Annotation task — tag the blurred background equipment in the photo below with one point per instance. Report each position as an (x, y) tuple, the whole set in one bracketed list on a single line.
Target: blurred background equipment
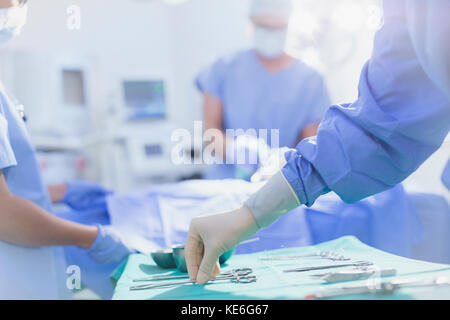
[(103, 99)]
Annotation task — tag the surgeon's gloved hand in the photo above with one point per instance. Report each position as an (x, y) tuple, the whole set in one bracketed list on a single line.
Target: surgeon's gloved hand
[(82, 195), (108, 247), (210, 236)]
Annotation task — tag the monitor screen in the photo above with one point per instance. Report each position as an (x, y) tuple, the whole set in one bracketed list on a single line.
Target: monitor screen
[(73, 87), (145, 99)]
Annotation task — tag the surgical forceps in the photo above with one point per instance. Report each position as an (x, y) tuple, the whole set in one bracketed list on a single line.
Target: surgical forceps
[(320, 254), (241, 271), (355, 274), (237, 276), (350, 264), (384, 288)]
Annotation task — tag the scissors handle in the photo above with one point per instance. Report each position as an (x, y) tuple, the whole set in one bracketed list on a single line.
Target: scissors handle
[(245, 279)]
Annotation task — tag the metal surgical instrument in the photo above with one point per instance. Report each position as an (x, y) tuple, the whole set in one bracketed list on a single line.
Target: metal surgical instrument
[(384, 288), (244, 271), (350, 264), (237, 277), (320, 254), (355, 274)]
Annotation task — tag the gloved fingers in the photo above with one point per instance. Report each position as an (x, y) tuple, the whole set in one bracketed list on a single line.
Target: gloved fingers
[(208, 266), (216, 270), (194, 252)]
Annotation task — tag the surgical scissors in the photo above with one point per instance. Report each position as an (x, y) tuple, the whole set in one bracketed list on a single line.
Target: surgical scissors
[(239, 271), (238, 276), (351, 264)]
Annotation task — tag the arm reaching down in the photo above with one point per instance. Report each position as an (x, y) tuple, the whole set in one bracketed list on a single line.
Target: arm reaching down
[(24, 223)]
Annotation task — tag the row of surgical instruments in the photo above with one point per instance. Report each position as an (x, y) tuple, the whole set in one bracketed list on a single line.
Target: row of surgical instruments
[(380, 288), (319, 254), (242, 275), (360, 270)]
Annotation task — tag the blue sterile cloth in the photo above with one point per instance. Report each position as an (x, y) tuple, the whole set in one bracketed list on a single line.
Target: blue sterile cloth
[(273, 283), (159, 217)]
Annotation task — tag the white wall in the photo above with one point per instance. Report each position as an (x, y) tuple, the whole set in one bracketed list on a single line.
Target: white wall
[(127, 37), (203, 30), (150, 38)]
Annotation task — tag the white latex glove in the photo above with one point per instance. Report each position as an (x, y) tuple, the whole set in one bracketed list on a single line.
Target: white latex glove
[(210, 236)]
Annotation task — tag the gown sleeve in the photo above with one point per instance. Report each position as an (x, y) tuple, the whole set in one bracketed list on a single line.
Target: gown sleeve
[(400, 118)]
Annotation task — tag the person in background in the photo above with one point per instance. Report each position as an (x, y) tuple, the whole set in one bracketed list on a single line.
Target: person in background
[(261, 88), (32, 265)]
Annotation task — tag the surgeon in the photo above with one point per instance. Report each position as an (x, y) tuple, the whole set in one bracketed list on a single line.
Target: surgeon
[(260, 88), (30, 267), (402, 116)]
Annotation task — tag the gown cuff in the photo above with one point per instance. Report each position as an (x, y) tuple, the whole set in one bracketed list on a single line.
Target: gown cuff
[(275, 199)]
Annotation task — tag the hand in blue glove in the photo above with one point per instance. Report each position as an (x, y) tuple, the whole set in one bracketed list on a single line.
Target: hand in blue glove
[(82, 195), (108, 247)]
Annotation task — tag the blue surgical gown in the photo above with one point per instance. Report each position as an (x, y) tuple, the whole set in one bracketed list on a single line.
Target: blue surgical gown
[(254, 98), (446, 175), (402, 114), (26, 273)]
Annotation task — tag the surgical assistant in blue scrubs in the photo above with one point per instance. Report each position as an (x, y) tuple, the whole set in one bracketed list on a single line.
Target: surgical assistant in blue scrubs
[(263, 88), (401, 117), (32, 263)]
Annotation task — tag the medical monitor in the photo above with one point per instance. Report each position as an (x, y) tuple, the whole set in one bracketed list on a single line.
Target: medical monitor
[(144, 99), (73, 87)]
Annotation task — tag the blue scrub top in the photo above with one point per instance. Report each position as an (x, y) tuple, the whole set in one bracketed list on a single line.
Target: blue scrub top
[(254, 98), (17, 157), (33, 273), (401, 117)]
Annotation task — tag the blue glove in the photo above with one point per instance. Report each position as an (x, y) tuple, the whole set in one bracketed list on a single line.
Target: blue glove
[(108, 246), (82, 195)]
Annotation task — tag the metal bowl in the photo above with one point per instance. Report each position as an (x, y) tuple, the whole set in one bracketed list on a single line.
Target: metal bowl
[(179, 257), (164, 258), (225, 256)]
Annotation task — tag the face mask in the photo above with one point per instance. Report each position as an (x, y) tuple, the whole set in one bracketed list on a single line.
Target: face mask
[(11, 22), (269, 43)]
